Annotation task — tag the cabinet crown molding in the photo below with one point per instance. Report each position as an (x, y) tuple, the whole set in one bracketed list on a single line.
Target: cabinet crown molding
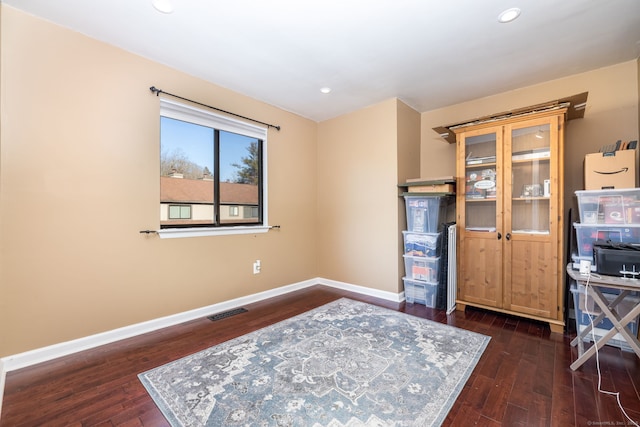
[(575, 106)]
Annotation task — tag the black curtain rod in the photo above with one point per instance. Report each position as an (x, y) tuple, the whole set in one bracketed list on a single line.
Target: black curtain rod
[(159, 91), (147, 232)]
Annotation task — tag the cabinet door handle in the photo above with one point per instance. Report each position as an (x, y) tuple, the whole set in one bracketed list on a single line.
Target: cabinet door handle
[(508, 236), (499, 236)]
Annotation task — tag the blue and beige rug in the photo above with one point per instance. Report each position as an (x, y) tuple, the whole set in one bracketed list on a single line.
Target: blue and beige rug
[(346, 363)]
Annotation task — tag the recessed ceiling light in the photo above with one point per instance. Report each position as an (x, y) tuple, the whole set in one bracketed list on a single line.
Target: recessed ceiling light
[(325, 89), (163, 6), (509, 15)]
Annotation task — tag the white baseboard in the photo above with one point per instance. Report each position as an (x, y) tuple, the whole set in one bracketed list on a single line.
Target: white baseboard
[(390, 296), (32, 357), (54, 351)]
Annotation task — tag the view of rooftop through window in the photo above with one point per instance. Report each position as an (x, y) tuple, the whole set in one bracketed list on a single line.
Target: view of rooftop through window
[(192, 157), (189, 147)]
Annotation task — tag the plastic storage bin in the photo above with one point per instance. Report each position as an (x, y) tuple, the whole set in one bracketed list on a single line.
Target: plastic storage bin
[(586, 234), (421, 268), (421, 244), (616, 207), (426, 214), (582, 305), (420, 292)]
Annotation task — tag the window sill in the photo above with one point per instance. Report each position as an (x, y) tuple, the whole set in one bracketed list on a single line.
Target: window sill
[(202, 232)]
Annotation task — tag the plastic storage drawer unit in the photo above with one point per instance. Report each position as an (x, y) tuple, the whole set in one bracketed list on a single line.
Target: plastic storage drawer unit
[(425, 214), (420, 292), (609, 206), (421, 244), (586, 234), (421, 268)]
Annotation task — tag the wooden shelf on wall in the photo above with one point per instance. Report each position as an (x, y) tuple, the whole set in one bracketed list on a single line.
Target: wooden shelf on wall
[(440, 186)]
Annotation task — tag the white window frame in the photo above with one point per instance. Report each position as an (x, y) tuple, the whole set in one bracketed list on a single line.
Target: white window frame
[(187, 113)]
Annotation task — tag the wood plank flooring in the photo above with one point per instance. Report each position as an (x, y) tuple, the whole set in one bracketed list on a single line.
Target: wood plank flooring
[(522, 379)]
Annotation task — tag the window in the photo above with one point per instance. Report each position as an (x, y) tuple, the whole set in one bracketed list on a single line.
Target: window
[(179, 212), (250, 211), (212, 173)]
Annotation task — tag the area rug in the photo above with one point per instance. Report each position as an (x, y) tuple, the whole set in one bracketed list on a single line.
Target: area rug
[(346, 363)]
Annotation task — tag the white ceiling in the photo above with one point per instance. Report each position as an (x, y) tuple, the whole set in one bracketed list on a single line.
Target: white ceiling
[(428, 53)]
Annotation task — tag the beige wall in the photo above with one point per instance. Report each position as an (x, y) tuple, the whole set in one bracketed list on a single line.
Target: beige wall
[(79, 162), (408, 164), (361, 157), (611, 114)]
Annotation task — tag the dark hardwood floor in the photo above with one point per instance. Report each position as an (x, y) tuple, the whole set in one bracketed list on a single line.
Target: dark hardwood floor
[(522, 379)]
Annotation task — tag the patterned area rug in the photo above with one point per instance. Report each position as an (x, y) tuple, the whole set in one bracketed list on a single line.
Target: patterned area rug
[(346, 363)]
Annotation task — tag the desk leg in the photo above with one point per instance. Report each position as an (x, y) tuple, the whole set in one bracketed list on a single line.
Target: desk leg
[(619, 326), (579, 339), (581, 334), (598, 319)]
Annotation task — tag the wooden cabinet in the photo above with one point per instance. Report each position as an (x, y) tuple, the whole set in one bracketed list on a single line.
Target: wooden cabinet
[(509, 216)]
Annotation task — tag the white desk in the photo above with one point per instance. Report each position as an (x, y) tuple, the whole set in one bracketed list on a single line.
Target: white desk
[(608, 310)]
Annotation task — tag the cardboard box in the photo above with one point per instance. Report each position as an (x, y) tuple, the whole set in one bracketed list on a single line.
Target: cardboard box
[(610, 170), (443, 184), (433, 188)]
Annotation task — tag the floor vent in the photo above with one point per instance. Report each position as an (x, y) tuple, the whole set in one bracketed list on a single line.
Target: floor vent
[(225, 314)]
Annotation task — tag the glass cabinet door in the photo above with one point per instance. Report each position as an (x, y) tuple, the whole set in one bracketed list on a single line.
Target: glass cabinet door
[(479, 215), (530, 179), (481, 185)]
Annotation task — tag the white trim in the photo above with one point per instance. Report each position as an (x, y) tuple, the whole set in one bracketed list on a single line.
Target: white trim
[(39, 355), (188, 113), (390, 296), (54, 351), (172, 233)]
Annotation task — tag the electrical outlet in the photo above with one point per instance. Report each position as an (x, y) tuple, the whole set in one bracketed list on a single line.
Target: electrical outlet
[(257, 267)]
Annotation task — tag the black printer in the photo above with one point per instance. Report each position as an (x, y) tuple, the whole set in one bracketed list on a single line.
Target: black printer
[(617, 259)]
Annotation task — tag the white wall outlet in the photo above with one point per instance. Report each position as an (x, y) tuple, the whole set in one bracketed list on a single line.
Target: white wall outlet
[(585, 266), (257, 267)]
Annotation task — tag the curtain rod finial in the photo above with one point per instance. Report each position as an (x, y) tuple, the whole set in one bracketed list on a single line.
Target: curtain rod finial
[(155, 90)]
